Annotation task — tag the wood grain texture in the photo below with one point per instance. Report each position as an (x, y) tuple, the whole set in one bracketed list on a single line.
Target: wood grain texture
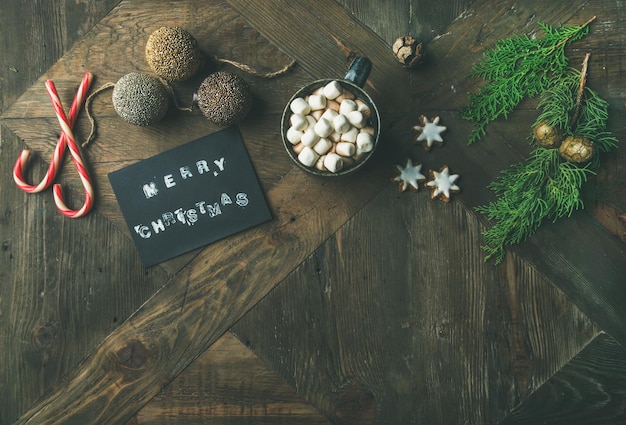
[(588, 390), (229, 385), (498, 333), (59, 297), (49, 321), (384, 324), (421, 19)]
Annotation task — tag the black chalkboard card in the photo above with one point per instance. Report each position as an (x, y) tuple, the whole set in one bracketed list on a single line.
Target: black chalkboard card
[(190, 196)]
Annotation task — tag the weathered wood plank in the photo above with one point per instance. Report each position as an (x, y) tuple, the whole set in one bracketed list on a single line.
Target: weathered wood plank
[(588, 390), (320, 48), (228, 384), (398, 313), (421, 19), (58, 296), (201, 302)]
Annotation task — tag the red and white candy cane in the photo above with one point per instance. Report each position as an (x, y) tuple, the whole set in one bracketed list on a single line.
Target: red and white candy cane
[(53, 168), (76, 156)]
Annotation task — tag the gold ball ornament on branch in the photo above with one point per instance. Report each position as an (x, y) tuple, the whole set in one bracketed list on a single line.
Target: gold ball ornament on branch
[(577, 149), (547, 136), (408, 51)]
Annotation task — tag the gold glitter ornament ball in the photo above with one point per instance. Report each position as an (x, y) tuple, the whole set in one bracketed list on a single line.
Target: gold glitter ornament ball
[(173, 54), (224, 98), (577, 149), (547, 136), (140, 99)]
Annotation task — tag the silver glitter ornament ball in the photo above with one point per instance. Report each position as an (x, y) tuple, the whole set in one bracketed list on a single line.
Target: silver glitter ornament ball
[(140, 99), (224, 98), (173, 54)]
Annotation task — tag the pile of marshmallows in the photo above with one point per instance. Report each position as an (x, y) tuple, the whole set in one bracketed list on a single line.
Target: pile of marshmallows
[(330, 129)]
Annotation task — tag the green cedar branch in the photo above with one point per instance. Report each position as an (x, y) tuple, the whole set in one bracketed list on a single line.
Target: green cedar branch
[(545, 186), (516, 68)]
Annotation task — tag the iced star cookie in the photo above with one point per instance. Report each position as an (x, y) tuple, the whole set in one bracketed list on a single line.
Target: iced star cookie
[(441, 184), (429, 132), (409, 176)]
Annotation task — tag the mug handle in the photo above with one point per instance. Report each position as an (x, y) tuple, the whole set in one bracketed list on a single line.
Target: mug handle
[(359, 71)]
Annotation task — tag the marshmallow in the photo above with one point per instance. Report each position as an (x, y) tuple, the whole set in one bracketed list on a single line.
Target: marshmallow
[(329, 115), (317, 102), (298, 148), (341, 123), (323, 128), (298, 122), (332, 104), (300, 106), (332, 90), (350, 135), (368, 129), (346, 106), (363, 108), (333, 162), (330, 129), (323, 146), (310, 120), (334, 137), (319, 164), (316, 114), (310, 137), (346, 149), (293, 135), (346, 94), (308, 157), (364, 142), (357, 119)]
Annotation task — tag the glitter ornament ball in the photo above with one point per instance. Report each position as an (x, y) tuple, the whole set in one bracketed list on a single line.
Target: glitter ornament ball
[(140, 99), (224, 98), (577, 149), (547, 136), (173, 54)]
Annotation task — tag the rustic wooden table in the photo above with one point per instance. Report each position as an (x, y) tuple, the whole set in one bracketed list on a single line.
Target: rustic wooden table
[(355, 304)]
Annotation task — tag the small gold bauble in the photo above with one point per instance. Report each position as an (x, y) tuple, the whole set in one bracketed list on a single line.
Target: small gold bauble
[(547, 136), (577, 149)]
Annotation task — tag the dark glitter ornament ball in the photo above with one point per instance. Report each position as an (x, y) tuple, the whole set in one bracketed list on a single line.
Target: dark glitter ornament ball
[(224, 98), (140, 99), (173, 54)]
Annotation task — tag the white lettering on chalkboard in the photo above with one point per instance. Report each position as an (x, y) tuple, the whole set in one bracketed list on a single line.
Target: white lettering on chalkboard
[(169, 181), (189, 216), (242, 199), (150, 190), (185, 172)]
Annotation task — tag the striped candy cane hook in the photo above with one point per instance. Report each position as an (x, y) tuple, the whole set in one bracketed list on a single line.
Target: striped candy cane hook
[(53, 168), (76, 156)]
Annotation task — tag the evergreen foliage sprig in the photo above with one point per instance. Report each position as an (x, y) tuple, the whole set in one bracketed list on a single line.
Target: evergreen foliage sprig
[(558, 105), (543, 187), (546, 186), (516, 68)]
